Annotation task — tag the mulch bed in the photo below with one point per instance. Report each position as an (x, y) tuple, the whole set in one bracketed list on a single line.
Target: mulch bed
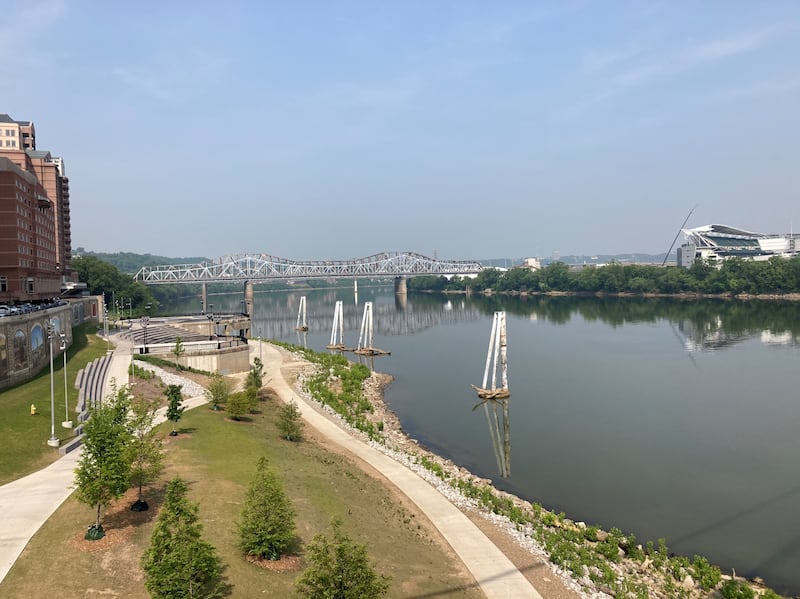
[(287, 563), (118, 522)]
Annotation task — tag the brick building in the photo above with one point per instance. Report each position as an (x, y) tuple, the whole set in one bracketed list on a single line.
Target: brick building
[(35, 237)]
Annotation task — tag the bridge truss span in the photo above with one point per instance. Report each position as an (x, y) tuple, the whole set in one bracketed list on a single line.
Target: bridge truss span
[(263, 267)]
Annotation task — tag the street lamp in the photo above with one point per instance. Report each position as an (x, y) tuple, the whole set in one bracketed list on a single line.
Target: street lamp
[(52, 441), (145, 320), (210, 317), (105, 325), (63, 347)]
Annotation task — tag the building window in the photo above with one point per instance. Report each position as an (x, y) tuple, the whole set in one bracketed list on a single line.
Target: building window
[(3, 283), (29, 285)]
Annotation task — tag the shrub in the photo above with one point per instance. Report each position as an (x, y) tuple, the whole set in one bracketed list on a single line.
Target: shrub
[(266, 527), (339, 569), (289, 422), (178, 562)]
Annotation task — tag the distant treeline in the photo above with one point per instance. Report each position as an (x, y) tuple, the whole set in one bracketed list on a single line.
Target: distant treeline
[(734, 276)]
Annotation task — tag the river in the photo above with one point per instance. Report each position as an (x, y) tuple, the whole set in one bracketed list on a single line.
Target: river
[(665, 418)]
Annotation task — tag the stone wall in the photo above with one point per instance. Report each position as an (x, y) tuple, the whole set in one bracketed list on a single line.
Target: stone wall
[(226, 361)]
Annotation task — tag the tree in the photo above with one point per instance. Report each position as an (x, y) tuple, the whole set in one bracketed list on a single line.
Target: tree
[(340, 569), (146, 449), (104, 468), (101, 276), (238, 404), (174, 407), (179, 563), (266, 526), (256, 374), (178, 351), (290, 423), (217, 391), (253, 384)]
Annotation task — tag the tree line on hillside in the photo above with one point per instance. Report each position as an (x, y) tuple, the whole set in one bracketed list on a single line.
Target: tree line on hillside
[(734, 276)]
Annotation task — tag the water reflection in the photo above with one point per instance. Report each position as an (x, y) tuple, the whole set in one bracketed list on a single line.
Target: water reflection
[(705, 325), (302, 338), (497, 417)]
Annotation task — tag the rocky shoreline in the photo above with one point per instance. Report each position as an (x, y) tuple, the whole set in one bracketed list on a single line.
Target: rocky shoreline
[(407, 451), (441, 473)]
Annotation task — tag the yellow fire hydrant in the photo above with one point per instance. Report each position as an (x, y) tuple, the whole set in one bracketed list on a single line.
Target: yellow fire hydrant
[(33, 410)]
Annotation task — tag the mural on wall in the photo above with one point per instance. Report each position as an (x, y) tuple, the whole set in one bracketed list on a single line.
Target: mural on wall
[(78, 312), (37, 343), (3, 358), (56, 325), (20, 350)]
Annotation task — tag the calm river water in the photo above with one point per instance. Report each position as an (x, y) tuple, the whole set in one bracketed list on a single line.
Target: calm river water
[(664, 418)]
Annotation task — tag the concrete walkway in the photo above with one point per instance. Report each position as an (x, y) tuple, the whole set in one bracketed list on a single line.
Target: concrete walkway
[(497, 576), (28, 502)]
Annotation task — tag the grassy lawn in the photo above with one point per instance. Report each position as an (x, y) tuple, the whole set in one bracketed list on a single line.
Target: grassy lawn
[(24, 436), (217, 458)]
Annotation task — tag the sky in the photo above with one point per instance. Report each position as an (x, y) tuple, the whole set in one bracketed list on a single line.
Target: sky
[(329, 130)]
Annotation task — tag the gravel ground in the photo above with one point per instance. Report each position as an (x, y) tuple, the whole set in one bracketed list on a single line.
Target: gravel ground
[(190, 388)]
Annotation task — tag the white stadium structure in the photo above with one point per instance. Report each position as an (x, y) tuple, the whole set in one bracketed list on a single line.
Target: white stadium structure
[(719, 242)]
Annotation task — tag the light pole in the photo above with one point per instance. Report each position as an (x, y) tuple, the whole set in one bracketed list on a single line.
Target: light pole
[(145, 320), (210, 317), (63, 347), (52, 441), (105, 325)]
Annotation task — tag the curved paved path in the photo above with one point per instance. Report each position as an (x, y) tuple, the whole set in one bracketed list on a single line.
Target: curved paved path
[(28, 502), (494, 572)]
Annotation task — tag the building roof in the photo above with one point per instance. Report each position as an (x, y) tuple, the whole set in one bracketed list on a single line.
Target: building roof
[(4, 118), (44, 154), (7, 164), (723, 230)]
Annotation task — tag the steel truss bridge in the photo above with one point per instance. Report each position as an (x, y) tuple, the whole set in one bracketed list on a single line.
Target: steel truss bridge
[(263, 267)]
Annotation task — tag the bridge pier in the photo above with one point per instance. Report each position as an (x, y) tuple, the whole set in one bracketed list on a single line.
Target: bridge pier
[(204, 298), (248, 297), (400, 285)]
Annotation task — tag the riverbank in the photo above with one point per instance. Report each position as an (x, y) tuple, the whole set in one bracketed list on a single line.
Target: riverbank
[(791, 297), (582, 559)]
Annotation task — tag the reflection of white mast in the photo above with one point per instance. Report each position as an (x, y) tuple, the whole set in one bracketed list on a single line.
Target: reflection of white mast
[(338, 326), (365, 336), (302, 338), (501, 454), (301, 315), (496, 356)]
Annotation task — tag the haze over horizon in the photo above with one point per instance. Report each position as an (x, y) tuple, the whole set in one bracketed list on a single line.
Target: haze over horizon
[(463, 129)]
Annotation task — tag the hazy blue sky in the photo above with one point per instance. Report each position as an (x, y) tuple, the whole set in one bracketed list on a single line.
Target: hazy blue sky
[(331, 130)]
